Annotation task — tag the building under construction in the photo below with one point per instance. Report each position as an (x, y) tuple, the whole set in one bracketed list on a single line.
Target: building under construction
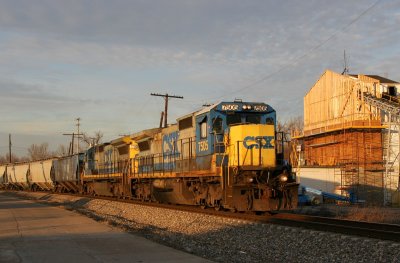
[(350, 143)]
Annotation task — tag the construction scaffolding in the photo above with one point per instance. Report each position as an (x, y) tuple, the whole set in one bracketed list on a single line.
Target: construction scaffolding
[(362, 167), (352, 124), (356, 155), (390, 108)]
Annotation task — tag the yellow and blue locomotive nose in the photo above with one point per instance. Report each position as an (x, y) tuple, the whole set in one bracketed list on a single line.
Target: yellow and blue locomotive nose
[(252, 145)]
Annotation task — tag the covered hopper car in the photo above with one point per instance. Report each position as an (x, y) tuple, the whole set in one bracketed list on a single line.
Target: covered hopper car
[(34, 175)]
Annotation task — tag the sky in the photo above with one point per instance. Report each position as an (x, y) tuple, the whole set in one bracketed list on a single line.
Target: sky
[(99, 60)]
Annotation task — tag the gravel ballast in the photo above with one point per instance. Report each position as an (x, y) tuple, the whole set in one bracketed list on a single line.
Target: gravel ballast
[(227, 240)]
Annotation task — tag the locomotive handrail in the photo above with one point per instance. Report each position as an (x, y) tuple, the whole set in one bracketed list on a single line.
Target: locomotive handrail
[(236, 153), (166, 163)]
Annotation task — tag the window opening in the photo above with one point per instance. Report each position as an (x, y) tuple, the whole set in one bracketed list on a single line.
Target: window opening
[(203, 129), (217, 125), (185, 123), (233, 119), (269, 121), (255, 119)]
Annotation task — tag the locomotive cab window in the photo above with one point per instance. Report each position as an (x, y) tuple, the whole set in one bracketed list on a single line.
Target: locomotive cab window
[(203, 128), (217, 125), (269, 121), (255, 119), (233, 119)]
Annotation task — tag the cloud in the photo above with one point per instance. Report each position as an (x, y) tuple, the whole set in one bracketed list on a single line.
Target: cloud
[(101, 60)]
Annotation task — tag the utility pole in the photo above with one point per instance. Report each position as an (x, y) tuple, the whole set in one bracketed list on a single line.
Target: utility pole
[(9, 146), (77, 135), (166, 97), (78, 124), (71, 146), (161, 119)]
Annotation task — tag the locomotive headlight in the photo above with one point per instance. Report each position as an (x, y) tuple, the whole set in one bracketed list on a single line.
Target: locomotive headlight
[(249, 179), (246, 107), (283, 178)]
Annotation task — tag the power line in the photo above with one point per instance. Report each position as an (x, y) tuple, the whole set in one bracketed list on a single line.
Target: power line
[(166, 97), (294, 61), (74, 135)]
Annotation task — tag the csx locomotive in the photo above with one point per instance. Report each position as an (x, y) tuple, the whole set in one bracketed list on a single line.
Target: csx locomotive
[(224, 156)]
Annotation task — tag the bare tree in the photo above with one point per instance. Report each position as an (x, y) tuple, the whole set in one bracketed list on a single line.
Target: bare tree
[(92, 140), (61, 151), (3, 159), (293, 126), (14, 158), (24, 159), (38, 152)]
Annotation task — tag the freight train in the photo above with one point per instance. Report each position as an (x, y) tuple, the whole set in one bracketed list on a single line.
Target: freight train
[(228, 155)]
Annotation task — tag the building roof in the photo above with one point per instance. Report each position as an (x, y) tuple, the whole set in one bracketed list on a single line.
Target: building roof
[(381, 79)]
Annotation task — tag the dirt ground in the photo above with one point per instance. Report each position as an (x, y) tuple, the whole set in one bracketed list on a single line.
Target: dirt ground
[(385, 215)]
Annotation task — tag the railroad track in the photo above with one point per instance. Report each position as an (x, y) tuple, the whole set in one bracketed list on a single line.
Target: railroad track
[(356, 228), (347, 227)]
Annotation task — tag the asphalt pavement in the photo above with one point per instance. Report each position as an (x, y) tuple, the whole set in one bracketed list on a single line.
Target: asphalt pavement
[(33, 232)]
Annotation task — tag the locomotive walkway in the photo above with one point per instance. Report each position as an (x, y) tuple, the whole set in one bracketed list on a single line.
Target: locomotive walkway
[(32, 232)]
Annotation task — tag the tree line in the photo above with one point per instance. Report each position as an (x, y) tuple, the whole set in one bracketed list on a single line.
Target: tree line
[(42, 151), (293, 126)]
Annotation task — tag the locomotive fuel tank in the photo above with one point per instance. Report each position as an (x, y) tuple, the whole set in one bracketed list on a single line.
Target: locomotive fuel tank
[(172, 191)]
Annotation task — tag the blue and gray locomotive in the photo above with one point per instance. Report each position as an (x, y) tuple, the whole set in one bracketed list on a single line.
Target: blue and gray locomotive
[(223, 156)]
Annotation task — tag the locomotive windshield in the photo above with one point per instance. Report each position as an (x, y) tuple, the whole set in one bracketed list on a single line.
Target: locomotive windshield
[(254, 119), (233, 119), (237, 118)]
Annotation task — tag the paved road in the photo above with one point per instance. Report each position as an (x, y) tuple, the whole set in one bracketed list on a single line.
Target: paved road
[(32, 232)]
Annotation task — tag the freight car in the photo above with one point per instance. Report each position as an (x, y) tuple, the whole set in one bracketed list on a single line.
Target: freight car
[(34, 175), (227, 155), (2, 176), (67, 172)]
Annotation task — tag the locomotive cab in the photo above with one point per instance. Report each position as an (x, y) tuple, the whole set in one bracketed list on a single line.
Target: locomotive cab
[(253, 177)]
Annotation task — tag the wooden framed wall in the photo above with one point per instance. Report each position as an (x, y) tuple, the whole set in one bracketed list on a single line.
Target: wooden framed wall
[(336, 102), (336, 148)]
